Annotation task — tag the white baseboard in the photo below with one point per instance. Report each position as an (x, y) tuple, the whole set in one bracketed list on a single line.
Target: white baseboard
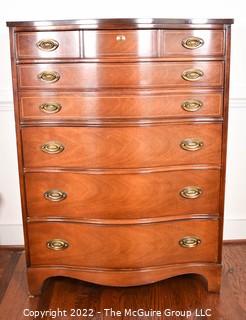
[(12, 234), (234, 229)]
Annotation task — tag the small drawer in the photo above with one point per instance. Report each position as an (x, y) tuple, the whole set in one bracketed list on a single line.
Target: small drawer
[(123, 195), (139, 105), (122, 147), (121, 75), (48, 45), (123, 246), (117, 43), (192, 43)]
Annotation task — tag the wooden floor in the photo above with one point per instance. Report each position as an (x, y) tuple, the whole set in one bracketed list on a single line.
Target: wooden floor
[(185, 293)]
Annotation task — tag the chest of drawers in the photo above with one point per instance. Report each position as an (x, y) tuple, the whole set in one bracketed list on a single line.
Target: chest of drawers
[(121, 131)]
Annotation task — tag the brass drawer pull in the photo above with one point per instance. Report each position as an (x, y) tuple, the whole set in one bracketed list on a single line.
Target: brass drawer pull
[(189, 242), (120, 37), (191, 144), (55, 195), (50, 107), (52, 147), (192, 105), (49, 76), (57, 244), (47, 44), (192, 43), (192, 74), (191, 192)]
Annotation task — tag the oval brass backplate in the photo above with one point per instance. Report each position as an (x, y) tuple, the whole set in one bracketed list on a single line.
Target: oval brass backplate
[(50, 107), (49, 76), (192, 43), (191, 144), (191, 192), (47, 44), (57, 244), (189, 242), (52, 147), (55, 195), (192, 74), (192, 105)]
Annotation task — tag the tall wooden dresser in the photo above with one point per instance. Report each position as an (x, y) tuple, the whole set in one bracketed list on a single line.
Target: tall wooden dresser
[(121, 131)]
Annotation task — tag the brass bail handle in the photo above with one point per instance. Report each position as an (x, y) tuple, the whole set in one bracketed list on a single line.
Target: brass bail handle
[(191, 192), (189, 242), (192, 43), (192, 74), (192, 105), (52, 147), (57, 244), (49, 76), (55, 195), (191, 144), (50, 107), (47, 44)]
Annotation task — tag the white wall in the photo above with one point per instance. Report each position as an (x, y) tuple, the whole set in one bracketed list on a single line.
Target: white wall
[(235, 209)]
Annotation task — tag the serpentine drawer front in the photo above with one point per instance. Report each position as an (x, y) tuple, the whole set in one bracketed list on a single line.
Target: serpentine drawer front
[(121, 130)]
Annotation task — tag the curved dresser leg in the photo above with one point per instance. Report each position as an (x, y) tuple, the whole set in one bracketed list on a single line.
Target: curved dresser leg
[(213, 278)]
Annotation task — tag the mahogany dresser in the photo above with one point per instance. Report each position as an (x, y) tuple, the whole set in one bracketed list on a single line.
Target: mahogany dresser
[(121, 131)]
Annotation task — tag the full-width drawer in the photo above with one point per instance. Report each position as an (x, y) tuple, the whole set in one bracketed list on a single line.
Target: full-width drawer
[(122, 196), (125, 43), (48, 44), (98, 105), (121, 75), (123, 246), (192, 43), (122, 147)]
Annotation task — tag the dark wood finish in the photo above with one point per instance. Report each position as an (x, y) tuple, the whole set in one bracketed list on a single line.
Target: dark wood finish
[(116, 75), (121, 247), (121, 127), (185, 292), (129, 23), (122, 196), (68, 41), (108, 105), (122, 147)]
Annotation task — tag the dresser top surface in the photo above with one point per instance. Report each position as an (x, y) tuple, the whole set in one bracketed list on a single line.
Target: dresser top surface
[(120, 23)]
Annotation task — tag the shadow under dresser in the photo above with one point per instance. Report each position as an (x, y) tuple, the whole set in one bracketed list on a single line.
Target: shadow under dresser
[(121, 130)]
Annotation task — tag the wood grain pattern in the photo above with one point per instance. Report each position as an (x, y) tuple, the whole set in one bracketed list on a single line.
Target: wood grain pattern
[(69, 45), (121, 130), (122, 147), (172, 42), (122, 196), (127, 75), (141, 246), (108, 105), (140, 43), (186, 292)]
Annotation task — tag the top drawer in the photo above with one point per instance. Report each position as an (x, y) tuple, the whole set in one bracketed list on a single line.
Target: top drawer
[(192, 43), (102, 44), (130, 43), (48, 45)]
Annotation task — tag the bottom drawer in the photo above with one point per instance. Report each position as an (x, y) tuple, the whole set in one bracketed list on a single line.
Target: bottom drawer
[(123, 246)]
